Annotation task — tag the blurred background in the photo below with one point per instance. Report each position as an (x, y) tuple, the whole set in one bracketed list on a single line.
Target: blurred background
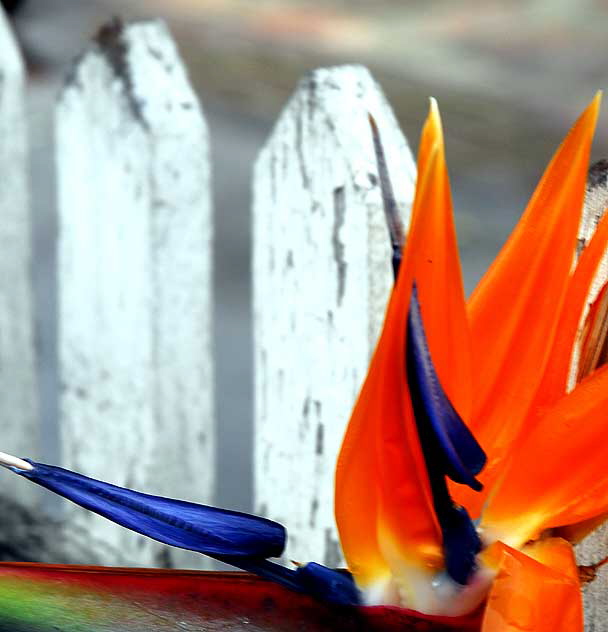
[(510, 77)]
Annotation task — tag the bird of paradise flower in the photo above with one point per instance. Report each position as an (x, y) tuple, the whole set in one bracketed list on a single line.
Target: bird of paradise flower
[(466, 448)]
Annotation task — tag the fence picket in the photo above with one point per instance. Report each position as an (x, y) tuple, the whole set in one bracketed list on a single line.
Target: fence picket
[(136, 406), (19, 420), (321, 278)]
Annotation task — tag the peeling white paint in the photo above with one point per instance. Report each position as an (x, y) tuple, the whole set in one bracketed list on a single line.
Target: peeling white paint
[(136, 405)]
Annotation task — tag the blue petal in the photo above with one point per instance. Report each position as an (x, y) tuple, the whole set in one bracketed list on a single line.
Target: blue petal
[(462, 456), (215, 532), (331, 585), (461, 544), (232, 537), (325, 584), (449, 449)]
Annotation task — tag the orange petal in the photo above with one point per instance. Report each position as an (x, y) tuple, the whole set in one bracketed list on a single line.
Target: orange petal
[(356, 489), (529, 595), (558, 473), (434, 251), (384, 506), (555, 379), (430, 259), (556, 553), (513, 312), (576, 532)]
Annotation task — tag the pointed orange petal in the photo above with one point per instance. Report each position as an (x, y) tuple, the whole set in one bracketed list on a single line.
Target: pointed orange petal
[(514, 310), (390, 489), (356, 494), (558, 473), (437, 271), (529, 595), (555, 379), (430, 259), (383, 501)]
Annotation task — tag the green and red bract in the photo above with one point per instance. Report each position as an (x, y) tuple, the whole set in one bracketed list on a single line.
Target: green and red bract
[(46, 598)]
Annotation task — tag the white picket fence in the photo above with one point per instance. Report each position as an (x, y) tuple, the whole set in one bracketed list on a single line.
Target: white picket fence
[(134, 290), (134, 293)]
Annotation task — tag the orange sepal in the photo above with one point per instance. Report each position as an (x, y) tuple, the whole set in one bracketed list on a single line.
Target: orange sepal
[(356, 493), (530, 595), (430, 260), (386, 495), (433, 250), (513, 313), (382, 488), (558, 473), (576, 532)]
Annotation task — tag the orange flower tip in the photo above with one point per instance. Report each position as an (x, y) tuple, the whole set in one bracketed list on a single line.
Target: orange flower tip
[(434, 117), (593, 108)]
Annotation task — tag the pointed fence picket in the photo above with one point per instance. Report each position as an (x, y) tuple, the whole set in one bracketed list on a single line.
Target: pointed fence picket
[(134, 277), (136, 406), (19, 427), (321, 277)]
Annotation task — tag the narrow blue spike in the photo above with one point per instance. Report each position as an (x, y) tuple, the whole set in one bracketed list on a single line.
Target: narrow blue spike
[(463, 456), (461, 544), (326, 584), (179, 523), (449, 449)]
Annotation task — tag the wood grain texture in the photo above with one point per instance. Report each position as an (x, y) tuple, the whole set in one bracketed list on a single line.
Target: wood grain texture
[(321, 277), (19, 422), (136, 407)]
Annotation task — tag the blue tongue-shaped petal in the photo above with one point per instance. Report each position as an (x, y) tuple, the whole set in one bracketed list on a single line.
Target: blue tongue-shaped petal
[(176, 522), (236, 538), (462, 456), (449, 449)]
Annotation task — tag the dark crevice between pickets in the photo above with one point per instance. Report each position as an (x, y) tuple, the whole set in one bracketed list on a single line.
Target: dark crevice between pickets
[(299, 140), (598, 174), (596, 200), (337, 243), (333, 557)]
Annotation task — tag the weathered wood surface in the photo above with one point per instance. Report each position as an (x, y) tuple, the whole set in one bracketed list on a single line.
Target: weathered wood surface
[(19, 421), (136, 406), (594, 548), (321, 276)]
